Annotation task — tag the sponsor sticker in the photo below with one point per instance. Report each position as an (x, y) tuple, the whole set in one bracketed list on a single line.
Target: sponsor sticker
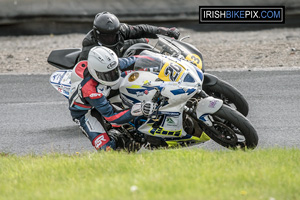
[(172, 121), (100, 141), (95, 95), (212, 104), (66, 80), (111, 65), (56, 77), (162, 131), (139, 93)]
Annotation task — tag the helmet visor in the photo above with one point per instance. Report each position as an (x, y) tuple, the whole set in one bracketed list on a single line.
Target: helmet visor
[(109, 76), (108, 39)]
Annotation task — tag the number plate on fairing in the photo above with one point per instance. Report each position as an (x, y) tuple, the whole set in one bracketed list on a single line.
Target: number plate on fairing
[(195, 59), (171, 71)]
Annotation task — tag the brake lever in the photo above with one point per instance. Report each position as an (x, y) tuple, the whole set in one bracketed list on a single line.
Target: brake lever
[(183, 38)]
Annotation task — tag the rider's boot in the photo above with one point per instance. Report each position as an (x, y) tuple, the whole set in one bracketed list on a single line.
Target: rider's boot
[(123, 142)]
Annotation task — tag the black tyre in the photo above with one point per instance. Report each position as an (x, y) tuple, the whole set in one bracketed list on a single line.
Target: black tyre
[(229, 94), (231, 129)]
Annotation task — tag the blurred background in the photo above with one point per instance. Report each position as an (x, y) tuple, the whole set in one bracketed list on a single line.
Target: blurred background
[(36, 17)]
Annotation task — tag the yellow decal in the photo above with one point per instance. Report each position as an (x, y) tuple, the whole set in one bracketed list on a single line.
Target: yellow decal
[(204, 137), (135, 87), (146, 82), (175, 143), (161, 131), (171, 71), (172, 144), (195, 59)]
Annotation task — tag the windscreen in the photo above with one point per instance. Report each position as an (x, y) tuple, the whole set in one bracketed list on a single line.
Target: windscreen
[(148, 61), (167, 48)]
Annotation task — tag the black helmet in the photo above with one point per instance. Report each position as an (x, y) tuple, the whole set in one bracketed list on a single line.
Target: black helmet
[(106, 28)]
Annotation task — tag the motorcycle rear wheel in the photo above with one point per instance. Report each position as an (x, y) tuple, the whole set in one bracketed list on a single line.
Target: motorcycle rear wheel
[(231, 129)]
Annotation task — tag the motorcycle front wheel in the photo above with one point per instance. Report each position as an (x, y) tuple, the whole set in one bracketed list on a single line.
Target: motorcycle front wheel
[(229, 94), (231, 129)]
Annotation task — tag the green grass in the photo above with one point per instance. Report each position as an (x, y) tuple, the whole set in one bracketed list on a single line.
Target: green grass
[(268, 174)]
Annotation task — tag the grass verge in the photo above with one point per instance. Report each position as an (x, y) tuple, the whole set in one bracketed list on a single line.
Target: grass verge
[(267, 174)]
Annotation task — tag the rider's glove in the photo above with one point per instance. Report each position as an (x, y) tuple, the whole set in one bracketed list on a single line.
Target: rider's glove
[(171, 32), (144, 108)]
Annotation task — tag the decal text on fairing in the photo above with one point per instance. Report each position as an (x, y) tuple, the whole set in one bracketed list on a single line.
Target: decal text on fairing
[(161, 131)]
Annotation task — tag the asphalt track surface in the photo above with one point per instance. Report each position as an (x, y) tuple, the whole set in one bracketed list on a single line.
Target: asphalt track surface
[(35, 118)]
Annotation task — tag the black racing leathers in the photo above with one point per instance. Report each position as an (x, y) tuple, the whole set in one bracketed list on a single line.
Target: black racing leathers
[(127, 36)]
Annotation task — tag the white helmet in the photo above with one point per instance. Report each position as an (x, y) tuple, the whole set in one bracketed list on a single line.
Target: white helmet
[(103, 65)]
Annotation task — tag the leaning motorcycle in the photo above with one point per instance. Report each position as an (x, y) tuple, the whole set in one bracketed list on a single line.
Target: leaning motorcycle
[(212, 85), (184, 115)]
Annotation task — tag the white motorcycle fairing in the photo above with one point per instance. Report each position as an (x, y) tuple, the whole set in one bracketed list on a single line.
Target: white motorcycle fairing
[(142, 86), (61, 81), (206, 106), (66, 81)]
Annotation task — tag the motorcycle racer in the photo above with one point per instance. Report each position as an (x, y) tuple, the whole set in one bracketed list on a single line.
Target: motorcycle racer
[(92, 82), (109, 32)]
